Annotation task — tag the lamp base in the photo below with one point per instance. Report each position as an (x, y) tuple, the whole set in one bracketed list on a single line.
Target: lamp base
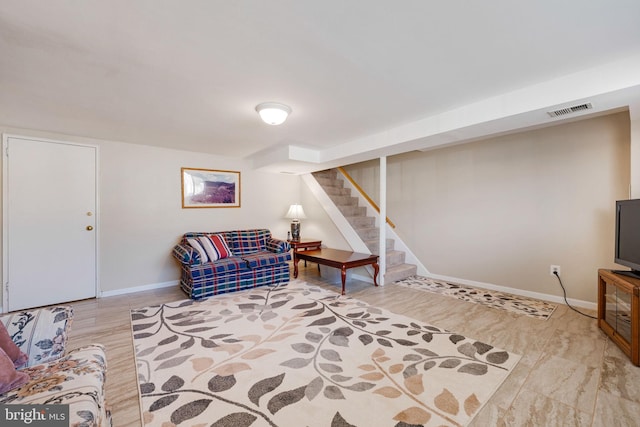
[(295, 231)]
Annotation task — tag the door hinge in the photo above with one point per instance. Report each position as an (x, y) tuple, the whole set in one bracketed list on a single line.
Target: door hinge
[(6, 151)]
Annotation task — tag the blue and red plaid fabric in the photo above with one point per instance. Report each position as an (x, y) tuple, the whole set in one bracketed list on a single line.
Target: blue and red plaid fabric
[(264, 259), (221, 266), (278, 246), (250, 241), (258, 259), (186, 254), (233, 281), (240, 242)]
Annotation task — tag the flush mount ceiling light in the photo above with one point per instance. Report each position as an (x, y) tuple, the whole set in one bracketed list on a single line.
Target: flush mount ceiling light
[(273, 113)]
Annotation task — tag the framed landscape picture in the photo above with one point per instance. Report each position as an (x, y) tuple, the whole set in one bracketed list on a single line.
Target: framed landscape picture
[(208, 188)]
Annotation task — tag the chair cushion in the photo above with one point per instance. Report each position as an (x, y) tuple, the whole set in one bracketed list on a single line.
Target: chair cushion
[(263, 259), (42, 333), (250, 241), (76, 379), (221, 266)]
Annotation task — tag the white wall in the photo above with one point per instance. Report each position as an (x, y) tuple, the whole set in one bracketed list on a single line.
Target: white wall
[(141, 218), (141, 213), (502, 210)]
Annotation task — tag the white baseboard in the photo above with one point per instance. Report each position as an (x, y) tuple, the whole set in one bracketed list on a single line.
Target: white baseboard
[(537, 295), (148, 287)]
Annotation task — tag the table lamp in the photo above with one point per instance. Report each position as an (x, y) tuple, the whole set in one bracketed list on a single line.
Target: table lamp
[(295, 213)]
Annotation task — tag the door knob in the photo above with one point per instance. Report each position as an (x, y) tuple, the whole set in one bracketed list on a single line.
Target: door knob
[(89, 228)]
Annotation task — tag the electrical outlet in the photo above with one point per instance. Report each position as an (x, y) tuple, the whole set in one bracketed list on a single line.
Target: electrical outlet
[(553, 269)]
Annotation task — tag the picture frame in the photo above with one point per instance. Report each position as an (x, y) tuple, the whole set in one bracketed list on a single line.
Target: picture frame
[(210, 188)]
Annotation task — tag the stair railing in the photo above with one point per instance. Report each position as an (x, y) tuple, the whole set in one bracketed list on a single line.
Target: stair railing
[(363, 193)]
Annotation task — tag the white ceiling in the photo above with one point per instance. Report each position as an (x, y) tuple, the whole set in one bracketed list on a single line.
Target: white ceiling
[(364, 78)]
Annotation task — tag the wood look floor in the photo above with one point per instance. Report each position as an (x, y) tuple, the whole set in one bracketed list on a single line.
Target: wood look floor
[(570, 373)]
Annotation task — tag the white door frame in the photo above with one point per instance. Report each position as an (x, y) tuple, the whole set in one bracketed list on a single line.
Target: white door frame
[(5, 220)]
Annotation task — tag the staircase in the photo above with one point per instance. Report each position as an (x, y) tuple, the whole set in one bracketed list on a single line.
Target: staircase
[(332, 183)]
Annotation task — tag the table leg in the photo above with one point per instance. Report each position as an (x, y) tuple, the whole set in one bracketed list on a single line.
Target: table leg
[(343, 274), (376, 268), (305, 261), (295, 266)]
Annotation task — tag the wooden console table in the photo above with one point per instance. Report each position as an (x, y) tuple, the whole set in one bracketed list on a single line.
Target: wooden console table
[(338, 259), (305, 244), (618, 311)]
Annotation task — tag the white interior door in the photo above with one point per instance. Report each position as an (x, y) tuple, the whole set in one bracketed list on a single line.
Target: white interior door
[(49, 221)]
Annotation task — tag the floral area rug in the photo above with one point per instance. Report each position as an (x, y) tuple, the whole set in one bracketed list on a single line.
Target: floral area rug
[(299, 355), (501, 300)]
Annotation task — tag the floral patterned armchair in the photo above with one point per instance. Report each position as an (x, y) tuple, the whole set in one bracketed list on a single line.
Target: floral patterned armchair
[(75, 378)]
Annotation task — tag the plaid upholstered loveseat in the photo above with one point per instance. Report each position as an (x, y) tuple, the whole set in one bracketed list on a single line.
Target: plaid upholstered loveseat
[(225, 261)]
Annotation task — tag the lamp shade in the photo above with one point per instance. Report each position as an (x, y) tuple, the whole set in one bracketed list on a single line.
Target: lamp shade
[(273, 113), (295, 212)]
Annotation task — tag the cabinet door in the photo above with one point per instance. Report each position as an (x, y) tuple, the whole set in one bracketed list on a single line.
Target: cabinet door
[(618, 311)]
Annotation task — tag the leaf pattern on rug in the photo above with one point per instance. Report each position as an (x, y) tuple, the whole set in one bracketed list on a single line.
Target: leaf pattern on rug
[(274, 356)]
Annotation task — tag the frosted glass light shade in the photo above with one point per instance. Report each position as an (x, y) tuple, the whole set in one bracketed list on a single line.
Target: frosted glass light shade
[(273, 113), (295, 212)]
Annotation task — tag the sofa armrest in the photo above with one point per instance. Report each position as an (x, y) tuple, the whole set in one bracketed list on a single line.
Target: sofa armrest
[(77, 380), (186, 255), (277, 246), (40, 333)]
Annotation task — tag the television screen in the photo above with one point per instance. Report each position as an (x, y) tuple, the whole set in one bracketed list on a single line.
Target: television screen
[(628, 233)]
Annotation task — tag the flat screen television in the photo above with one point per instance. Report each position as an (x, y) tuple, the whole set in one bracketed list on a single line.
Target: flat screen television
[(628, 236)]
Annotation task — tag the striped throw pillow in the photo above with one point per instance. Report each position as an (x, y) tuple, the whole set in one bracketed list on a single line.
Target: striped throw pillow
[(195, 244), (216, 246)]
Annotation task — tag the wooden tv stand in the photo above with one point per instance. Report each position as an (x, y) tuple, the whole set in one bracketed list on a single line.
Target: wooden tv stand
[(618, 311)]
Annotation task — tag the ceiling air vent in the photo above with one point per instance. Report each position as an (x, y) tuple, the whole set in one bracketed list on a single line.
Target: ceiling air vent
[(570, 110)]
